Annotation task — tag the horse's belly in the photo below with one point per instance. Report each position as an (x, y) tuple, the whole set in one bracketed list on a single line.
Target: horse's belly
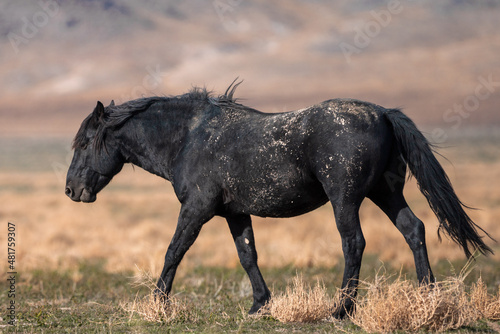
[(279, 200)]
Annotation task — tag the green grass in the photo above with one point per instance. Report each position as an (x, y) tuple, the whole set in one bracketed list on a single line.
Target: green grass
[(91, 300)]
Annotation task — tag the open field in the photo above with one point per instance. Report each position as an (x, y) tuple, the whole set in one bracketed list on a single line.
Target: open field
[(76, 261), (90, 299)]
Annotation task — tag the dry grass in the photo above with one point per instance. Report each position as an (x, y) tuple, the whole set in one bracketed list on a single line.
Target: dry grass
[(487, 306), (403, 306), (301, 303), (152, 308), (385, 305), (400, 305)]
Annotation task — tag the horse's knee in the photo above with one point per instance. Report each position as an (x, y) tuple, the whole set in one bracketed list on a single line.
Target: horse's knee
[(354, 245)]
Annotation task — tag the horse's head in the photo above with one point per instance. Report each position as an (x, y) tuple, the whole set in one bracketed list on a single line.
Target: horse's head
[(96, 158)]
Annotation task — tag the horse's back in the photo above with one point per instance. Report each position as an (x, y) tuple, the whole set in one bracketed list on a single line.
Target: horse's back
[(263, 166), (280, 164)]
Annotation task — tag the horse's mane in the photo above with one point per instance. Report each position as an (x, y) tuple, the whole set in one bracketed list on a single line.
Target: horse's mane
[(116, 115)]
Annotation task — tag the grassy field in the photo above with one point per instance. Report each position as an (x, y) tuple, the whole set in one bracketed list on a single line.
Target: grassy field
[(90, 299), (77, 265)]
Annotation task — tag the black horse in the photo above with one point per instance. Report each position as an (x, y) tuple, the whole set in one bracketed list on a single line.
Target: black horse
[(229, 160)]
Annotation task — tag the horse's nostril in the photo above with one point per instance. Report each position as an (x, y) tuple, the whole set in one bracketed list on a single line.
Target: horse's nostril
[(68, 191)]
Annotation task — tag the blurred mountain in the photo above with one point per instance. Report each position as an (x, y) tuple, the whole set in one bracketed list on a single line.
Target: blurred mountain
[(437, 59)]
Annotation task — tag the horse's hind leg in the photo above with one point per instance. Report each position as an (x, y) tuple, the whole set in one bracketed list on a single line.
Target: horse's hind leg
[(241, 229), (392, 202), (353, 245)]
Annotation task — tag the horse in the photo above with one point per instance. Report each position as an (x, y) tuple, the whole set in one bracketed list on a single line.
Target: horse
[(229, 160)]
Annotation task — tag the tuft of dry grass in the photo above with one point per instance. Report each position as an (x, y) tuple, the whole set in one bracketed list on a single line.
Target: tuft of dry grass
[(388, 305), (401, 305), (488, 306), (405, 306), (301, 303), (153, 309)]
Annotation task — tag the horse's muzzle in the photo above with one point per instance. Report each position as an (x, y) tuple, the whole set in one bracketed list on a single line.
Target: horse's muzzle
[(79, 194)]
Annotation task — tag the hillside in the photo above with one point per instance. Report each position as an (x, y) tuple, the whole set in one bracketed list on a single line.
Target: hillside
[(434, 59)]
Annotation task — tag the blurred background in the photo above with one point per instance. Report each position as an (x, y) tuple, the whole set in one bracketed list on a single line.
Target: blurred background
[(437, 60)]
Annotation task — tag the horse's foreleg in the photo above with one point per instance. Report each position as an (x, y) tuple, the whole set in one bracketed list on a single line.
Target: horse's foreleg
[(241, 229), (353, 245), (188, 227)]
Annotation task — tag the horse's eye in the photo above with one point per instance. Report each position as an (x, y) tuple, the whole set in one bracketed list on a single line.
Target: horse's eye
[(84, 146)]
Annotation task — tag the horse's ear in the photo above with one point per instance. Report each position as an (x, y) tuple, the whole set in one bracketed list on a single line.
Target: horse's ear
[(99, 110), (112, 104)]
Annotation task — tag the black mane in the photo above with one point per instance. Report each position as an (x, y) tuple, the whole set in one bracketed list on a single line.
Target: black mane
[(116, 115)]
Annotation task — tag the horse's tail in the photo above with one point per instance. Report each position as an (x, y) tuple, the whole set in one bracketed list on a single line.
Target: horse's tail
[(435, 185)]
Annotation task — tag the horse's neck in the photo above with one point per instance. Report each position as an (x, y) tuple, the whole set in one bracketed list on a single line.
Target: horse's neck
[(150, 146)]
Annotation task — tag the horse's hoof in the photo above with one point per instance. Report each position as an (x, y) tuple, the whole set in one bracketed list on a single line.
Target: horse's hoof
[(258, 310), (343, 311), (339, 314), (160, 296)]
